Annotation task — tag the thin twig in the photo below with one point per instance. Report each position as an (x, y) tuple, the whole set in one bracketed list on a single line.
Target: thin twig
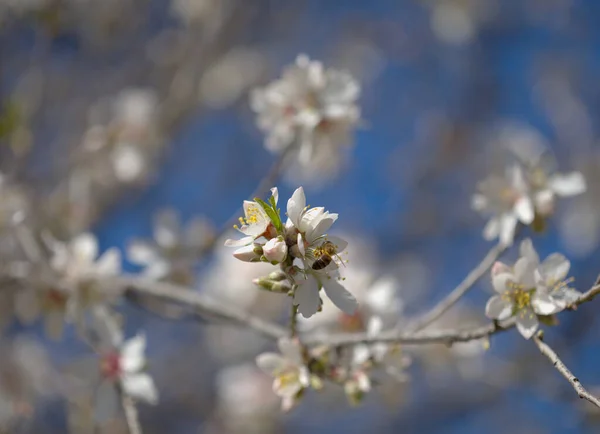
[(202, 305), (564, 371), (294, 320), (427, 337), (131, 414), (457, 293)]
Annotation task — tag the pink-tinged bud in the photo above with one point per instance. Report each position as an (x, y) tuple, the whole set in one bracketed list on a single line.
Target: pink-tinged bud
[(275, 250), (500, 267), (251, 253)]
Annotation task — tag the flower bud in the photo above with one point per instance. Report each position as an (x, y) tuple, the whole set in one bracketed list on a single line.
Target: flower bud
[(251, 253), (275, 250), (282, 286)]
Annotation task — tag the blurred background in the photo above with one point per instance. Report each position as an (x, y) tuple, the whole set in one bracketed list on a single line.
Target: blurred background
[(113, 111)]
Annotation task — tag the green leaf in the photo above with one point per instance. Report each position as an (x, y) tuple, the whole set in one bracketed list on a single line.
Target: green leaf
[(273, 215)]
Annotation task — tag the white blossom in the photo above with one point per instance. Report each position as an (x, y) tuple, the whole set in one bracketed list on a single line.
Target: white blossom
[(127, 364), (529, 289), (507, 201), (291, 376), (172, 252), (311, 105)]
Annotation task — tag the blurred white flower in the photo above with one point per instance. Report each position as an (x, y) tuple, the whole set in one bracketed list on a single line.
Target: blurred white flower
[(291, 376), (14, 203), (311, 106), (172, 252), (76, 286), (507, 200), (126, 364)]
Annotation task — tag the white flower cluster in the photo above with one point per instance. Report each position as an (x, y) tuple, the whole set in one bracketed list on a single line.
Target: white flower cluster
[(308, 256), (526, 193), (309, 106), (530, 289)]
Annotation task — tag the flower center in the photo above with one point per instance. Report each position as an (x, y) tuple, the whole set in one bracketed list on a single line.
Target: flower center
[(110, 365), (56, 299), (352, 323), (287, 378)]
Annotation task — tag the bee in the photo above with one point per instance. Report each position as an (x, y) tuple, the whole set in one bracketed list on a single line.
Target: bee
[(324, 255)]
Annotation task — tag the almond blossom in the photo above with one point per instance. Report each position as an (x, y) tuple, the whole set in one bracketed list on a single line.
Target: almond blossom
[(311, 105), (174, 248), (529, 289), (77, 284), (291, 376), (507, 201)]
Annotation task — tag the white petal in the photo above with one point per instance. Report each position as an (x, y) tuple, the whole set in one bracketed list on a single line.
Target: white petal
[(500, 281), (340, 296), (271, 363), (554, 268), (275, 194), (374, 326), (527, 323), (499, 268), (166, 228), (132, 353), (498, 308), (85, 248), (109, 264), (525, 272), (140, 386), (543, 304), (569, 184), (524, 210), (306, 297), (528, 251), (491, 229), (340, 244), (141, 252), (296, 205), (508, 224), (300, 244), (239, 243)]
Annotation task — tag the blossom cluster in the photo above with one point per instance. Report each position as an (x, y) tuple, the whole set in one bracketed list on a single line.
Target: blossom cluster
[(530, 289), (526, 193), (308, 256), (310, 107)]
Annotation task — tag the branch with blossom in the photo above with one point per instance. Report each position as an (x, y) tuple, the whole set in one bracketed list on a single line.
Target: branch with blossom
[(308, 116)]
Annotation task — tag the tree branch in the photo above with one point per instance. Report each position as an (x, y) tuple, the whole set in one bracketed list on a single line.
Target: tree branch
[(202, 305), (447, 337), (131, 414), (564, 371), (457, 293)]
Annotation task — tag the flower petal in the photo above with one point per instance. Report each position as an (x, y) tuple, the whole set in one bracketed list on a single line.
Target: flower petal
[(491, 229), (109, 264), (296, 205), (508, 224), (270, 363), (85, 248), (239, 243), (141, 252), (527, 323), (524, 270), (290, 350), (340, 296), (501, 281), (498, 308), (528, 251), (569, 184), (543, 304), (132, 353), (140, 386), (524, 210), (554, 268), (340, 244), (306, 297)]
